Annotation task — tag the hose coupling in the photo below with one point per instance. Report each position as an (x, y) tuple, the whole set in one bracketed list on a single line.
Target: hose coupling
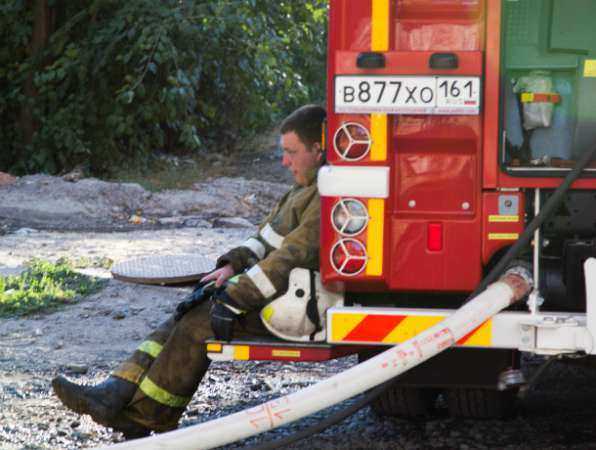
[(519, 279)]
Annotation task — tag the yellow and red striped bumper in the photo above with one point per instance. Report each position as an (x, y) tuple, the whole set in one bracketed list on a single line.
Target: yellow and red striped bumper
[(393, 326), (264, 349), (548, 333)]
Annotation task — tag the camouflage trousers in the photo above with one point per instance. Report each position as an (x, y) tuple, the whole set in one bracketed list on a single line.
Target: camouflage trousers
[(169, 364)]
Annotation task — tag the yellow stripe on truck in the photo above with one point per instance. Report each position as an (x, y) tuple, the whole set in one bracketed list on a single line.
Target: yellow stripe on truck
[(215, 348), (351, 327), (379, 42), (374, 242), (286, 353), (410, 327), (378, 133), (380, 25), (342, 324), (241, 352), (503, 236), (482, 337), (503, 219)]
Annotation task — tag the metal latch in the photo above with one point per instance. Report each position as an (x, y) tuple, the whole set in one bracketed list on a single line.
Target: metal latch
[(554, 335)]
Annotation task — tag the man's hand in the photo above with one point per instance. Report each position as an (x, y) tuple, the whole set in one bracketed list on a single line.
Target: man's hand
[(220, 275), (201, 293)]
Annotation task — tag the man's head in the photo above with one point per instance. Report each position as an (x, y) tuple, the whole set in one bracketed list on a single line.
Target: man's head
[(301, 135)]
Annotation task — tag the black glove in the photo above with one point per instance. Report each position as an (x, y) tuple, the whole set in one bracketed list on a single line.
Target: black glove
[(202, 292), (224, 314)]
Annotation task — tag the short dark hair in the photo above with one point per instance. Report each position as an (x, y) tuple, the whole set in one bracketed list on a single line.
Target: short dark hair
[(307, 123)]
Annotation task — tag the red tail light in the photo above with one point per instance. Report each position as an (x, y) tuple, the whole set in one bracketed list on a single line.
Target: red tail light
[(434, 238), (352, 141), (348, 257), (349, 217)]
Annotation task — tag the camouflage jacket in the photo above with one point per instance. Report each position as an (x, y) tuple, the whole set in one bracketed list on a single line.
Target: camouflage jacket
[(288, 238)]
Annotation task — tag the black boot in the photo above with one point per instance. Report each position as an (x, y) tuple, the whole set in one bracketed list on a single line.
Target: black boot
[(103, 402), (129, 428)]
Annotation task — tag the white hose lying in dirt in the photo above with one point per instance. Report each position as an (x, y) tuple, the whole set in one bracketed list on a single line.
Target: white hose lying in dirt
[(513, 286)]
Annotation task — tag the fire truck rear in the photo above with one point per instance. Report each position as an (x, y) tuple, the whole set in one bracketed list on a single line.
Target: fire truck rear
[(451, 125)]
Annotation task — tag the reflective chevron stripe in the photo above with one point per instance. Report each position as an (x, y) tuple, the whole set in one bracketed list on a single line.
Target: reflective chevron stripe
[(152, 348), (363, 327), (256, 247), (162, 396), (271, 237), (261, 281)]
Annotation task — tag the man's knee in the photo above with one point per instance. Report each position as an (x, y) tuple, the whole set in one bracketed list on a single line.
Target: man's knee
[(196, 323)]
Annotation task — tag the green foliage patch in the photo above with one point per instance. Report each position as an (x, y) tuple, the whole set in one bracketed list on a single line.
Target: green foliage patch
[(112, 81), (44, 286)]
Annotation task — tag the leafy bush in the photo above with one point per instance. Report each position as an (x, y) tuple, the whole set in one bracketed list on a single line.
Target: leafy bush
[(43, 286), (114, 81)]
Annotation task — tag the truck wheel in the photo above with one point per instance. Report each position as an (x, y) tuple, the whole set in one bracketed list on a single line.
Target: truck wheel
[(478, 403), (405, 402)]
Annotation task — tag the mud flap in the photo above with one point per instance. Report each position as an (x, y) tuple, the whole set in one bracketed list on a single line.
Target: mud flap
[(590, 273)]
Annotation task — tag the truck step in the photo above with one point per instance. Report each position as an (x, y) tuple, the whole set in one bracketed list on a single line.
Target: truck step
[(265, 349)]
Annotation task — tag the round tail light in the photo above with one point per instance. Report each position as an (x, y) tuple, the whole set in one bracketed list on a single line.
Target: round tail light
[(352, 141), (348, 257), (349, 217)]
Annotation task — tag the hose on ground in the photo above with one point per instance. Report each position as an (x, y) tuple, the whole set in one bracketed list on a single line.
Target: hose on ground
[(549, 208), (326, 423)]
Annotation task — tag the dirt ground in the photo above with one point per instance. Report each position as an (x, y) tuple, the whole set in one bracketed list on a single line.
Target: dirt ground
[(89, 220)]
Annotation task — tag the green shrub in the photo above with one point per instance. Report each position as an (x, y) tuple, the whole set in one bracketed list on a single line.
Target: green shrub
[(115, 81), (43, 286)]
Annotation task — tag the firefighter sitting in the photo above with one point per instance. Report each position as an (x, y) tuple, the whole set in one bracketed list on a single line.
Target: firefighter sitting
[(151, 389)]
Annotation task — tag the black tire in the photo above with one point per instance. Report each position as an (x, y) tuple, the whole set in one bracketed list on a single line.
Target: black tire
[(477, 403), (401, 401), (405, 402)]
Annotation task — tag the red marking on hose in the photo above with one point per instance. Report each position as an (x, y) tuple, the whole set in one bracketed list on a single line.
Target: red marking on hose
[(268, 413), (418, 349)]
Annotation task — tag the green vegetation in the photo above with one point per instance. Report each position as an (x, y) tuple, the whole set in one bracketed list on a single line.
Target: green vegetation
[(102, 262), (44, 286), (158, 174), (106, 83)]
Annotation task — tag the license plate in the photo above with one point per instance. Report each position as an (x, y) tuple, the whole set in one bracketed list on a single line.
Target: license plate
[(407, 95)]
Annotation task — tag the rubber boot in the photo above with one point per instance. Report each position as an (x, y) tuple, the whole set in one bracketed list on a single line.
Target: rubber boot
[(103, 402), (129, 428)]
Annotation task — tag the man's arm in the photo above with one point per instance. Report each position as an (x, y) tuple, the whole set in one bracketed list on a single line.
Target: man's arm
[(268, 278), (250, 251)]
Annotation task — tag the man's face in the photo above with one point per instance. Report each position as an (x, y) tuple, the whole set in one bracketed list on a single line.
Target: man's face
[(299, 159)]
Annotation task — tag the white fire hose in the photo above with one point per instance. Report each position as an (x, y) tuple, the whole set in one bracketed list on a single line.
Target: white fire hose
[(512, 286)]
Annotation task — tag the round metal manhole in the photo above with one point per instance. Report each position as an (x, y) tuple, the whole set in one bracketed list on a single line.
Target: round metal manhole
[(163, 269)]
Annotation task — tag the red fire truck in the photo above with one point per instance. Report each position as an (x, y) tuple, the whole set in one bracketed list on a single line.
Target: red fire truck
[(452, 124)]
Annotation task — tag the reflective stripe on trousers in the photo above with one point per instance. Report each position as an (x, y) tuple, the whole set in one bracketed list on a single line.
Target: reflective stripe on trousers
[(162, 396)]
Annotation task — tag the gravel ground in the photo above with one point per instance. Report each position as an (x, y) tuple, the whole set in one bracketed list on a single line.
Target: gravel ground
[(87, 339), (558, 414)]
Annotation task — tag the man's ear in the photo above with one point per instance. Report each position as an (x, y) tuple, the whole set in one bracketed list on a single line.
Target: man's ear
[(316, 147)]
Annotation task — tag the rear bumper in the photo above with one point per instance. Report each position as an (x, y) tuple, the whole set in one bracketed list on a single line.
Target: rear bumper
[(544, 333)]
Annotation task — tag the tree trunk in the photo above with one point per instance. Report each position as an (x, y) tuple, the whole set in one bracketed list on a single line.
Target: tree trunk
[(39, 40)]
